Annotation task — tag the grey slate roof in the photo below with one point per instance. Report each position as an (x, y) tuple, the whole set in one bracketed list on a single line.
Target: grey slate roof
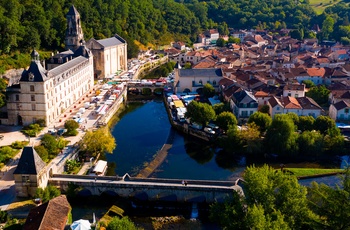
[(200, 72), (37, 70), (244, 97), (72, 11), (113, 41), (30, 162), (66, 66)]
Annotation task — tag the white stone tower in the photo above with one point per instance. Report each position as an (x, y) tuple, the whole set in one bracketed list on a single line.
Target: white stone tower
[(74, 33)]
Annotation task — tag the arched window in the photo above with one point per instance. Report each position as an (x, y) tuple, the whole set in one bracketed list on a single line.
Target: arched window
[(214, 82), (200, 82)]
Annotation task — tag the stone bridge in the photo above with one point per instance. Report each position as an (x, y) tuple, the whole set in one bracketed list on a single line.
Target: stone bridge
[(139, 87), (151, 189)]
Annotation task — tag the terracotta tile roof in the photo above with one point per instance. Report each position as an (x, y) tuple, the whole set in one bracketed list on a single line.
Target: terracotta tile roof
[(290, 103), (316, 72), (51, 215), (261, 93)]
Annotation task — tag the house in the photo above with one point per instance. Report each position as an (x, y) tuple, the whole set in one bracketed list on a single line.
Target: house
[(339, 95), (179, 45), (262, 97), (110, 56), (302, 106), (193, 80), (294, 90), (30, 173), (50, 215), (213, 35), (243, 104), (340, 111)]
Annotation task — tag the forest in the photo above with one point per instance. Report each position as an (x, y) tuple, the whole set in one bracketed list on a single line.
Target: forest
[(27, 24)]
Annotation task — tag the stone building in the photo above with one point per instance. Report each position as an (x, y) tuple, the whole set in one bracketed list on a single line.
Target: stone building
[(30, 173), (46, 93), (110, 56)]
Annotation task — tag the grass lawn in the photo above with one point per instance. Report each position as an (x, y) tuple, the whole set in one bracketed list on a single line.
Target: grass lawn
[(320, 5), (301, 172)]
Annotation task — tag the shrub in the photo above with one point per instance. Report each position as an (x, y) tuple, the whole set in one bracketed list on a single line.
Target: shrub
[(18, 144)]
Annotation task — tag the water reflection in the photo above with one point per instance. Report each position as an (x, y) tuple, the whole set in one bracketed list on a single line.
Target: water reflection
[(200, 152)]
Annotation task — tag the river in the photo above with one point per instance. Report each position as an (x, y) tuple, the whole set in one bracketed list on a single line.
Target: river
[(143, 129)]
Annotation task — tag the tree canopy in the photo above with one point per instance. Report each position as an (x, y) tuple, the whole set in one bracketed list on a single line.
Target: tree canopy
[(98, 142), (200, 113)]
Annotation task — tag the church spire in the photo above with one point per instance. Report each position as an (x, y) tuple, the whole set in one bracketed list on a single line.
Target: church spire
[(74, 33)]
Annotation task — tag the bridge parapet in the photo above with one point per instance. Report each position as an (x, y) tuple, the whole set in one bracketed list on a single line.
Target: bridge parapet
[(152, 188)]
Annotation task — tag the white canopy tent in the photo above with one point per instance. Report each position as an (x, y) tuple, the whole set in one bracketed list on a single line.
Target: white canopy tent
[(81, 225)]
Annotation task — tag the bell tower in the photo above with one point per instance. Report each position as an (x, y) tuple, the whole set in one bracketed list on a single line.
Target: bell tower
[(74, 33)]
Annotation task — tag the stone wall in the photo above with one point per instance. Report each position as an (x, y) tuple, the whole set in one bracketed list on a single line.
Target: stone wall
[(13, 75)]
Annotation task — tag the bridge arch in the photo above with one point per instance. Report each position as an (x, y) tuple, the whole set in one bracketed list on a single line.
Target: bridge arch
[(84, 192), (187, 90), (109, 193)]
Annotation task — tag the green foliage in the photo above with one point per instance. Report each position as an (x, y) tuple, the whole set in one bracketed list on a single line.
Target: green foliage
[(221, 107), (7, 153), (310, 143), (42, 152), (47, 194), (32, 130), (226, 119), (3, 216), (319, 94), (71, 126), (280, 136), (200, 113), (187, 65), (306, 123), (262, 120), (309, 84), (208, 90), (121, 224), (265, 109), (72, 166), (220, 42), (18, 144), (99, 141), (324, 123), (50, 144)]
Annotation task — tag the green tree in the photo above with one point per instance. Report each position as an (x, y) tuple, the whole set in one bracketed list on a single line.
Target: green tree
[(327, 27), (310, 143), (200, 113), (99, 141), (323, 124), (262, 120), (309, 84), (234, 40), (334, 142), (71, 126), (50, 144), (319, 94), (121, 224), (221, 107), (265, 109), (48, 193), (281, 136), (208, 90), (251, 140), (332, 204), (41, 150), (220, 42), (226, 119), (306, 123)]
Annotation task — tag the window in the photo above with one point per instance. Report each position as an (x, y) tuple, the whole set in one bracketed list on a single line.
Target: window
[(17, 97), (277, 108), (296, 95), (32, 97), (32, 88), (33, 107), (346, 110), (289, 94), (25, 178), (200, 82), (214, 82)]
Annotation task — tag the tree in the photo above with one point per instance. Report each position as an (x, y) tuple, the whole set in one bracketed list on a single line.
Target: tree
[(208, 90), (121, 224), (310, 143), (306, 123), (226, 119), (280, 136), (309, 84), (71, 126), (265, 109), (220, 42), (200, 113), (234, 40), (188, 65), (50, 144), (319, 94), (332, 204), (42, 152), (221, 107), (251, 139), (48, 193), (323, 123), (262, 120), (327, 27), (99, 141)]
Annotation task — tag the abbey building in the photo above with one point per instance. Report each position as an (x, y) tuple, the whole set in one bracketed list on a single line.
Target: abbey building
[(45, 93)]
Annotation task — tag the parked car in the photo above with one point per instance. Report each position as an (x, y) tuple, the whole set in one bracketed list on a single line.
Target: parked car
[(209, 130)]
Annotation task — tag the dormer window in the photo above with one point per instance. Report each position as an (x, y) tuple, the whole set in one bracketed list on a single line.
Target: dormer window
[(31, 77)]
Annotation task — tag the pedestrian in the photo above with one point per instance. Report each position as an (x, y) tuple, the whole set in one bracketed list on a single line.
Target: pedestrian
[(95, 179), (183, 182)]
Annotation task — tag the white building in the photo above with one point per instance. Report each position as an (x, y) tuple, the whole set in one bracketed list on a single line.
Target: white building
[(340, 111), (45, 94)]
